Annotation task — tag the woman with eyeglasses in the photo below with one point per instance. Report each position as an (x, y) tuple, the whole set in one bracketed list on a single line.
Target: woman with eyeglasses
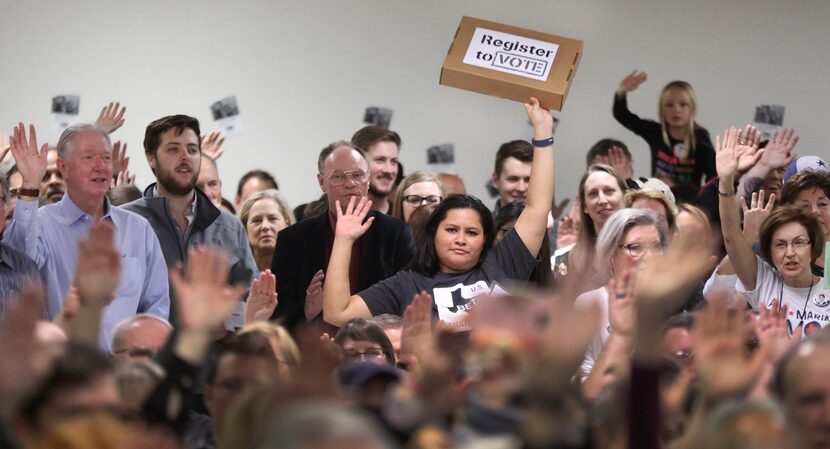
[(455, 259), (420, 188), (628, 237), (790, 239), (362, 340)]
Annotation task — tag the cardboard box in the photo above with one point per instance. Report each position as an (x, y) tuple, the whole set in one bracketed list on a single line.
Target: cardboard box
[(510, 62)]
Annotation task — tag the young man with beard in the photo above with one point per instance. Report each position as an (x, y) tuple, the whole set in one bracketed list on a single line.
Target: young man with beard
[(381, 147), (181, 214)]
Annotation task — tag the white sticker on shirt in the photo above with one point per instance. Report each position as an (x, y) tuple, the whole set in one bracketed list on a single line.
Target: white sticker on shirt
[(454, 302)]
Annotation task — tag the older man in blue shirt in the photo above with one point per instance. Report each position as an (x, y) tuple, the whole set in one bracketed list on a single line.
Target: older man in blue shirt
[(50, 235)]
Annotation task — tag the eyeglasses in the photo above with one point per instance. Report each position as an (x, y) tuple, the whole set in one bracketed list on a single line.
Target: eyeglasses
[(339, 178), (782, 245), (639, 249), (371, 353), (417, 200)]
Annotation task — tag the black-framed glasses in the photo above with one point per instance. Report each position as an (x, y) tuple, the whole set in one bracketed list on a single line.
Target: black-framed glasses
[(339, 178), (371, 353), (417, 200), (782, 245), (639, 249)]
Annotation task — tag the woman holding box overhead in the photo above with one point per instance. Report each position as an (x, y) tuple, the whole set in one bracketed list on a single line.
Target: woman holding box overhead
[(681, 150), (454, 261)]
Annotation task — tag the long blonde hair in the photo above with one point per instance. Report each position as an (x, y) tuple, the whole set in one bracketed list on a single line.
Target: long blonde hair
[(583, 255), (687, 91)]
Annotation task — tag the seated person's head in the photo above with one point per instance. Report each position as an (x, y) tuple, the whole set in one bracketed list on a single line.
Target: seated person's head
[(392, 326), (802, 383), (79, 381), (511, 174), (360, 339), (252, 182), (140, 336), (136, 379), (123, 194), (242, 361), (284, 347)]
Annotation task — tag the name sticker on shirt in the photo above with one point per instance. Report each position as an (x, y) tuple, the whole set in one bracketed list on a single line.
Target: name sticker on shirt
[(509, 53)]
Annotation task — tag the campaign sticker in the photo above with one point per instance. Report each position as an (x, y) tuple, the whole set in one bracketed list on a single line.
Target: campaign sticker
[(509, 53)]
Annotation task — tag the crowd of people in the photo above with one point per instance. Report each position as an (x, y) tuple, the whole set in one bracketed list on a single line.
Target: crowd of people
[(684, 308)]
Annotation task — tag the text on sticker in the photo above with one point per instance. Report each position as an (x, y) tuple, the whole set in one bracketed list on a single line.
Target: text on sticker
[(509, 53)]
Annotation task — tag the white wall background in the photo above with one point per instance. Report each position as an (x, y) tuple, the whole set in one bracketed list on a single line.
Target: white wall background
[(304, 71)]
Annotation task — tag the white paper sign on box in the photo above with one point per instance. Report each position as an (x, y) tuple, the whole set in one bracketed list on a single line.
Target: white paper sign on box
[(509, 53)]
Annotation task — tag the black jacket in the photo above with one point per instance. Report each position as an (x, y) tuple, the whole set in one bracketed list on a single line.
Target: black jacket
[(386, 248)]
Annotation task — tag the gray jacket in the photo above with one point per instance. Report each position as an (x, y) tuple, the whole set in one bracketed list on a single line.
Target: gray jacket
[(211, 226)]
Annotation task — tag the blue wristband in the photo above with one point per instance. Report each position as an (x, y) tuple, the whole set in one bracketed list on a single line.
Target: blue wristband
[(542, 143)]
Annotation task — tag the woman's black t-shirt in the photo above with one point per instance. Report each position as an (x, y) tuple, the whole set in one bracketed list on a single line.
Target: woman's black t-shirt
[(454, 294)]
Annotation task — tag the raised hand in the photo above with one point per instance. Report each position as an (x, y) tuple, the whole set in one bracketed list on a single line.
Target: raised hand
[(30, 162), (721, 359), (659, 291), (24, 362), (350, 225), (771, 329), (623, 165), (111, 117), (540, 118), (731, 148), (123, 178), (755, 214), (212, 145), (556, 209), (750, 138), (632, 82), (778, 152), (262, 298), (314, 296), (120, 160), (99, 266), (416, 334), (204, 297)]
